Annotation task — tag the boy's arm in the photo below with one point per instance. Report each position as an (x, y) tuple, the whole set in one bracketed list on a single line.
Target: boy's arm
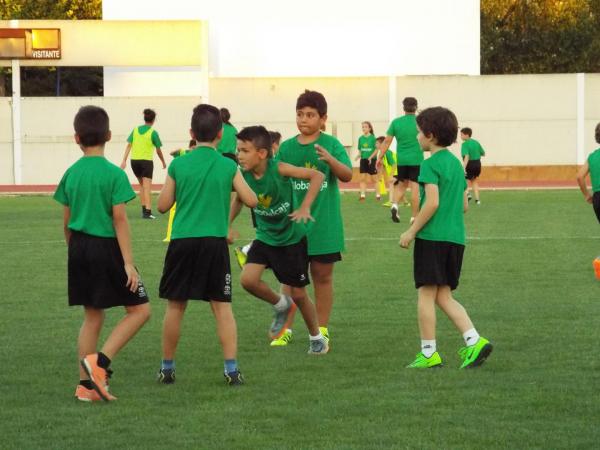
[(385, 145), (244, 193), (125, 156), (234, 210), (432, 201), (66, 218), (166, 198), (581, 181), (339, 169), (161, 157), (124, 238), (374, 154), (465, 161), (465, 201), (316, 178)]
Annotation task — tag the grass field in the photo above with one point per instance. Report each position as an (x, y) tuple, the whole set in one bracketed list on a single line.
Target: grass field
[(527, 282)]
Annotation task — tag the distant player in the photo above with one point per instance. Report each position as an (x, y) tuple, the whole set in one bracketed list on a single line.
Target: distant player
[(280, 242), (471, 152), (101, 271), (141, 142), (227, 144), (197, 260), (275, 141), (591, 168), (439, 230), (367, 153), (387, 171)]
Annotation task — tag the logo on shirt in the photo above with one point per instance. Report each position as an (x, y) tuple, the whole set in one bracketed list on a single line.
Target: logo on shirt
[(264, 200), (301, 185), (310, 165), (283, 208)]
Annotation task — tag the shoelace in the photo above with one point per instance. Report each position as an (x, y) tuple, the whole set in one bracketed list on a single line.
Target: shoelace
[(463, 352)]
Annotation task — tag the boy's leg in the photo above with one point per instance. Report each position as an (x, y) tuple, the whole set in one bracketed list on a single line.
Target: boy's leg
[(414, 198), (136, 316), (226, 328), (172, 328), (475, 185), (307, 308), (88, 335), (428, 357), (454, 310), (147, 188), (322, 276), (141, 194), (363, 185), (252, 282)]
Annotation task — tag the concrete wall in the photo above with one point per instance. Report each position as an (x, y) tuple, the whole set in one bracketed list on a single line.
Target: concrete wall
[(527, 120)]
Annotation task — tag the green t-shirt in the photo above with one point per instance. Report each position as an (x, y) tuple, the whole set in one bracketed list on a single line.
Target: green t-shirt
[(448, 223), (408, 150), (472, 148), (390, 160), (182, 152), (228, 142), (203, 181), (90, 188), (594, 165), (275, 203), (326, 234), (155, 138), (366, 145)]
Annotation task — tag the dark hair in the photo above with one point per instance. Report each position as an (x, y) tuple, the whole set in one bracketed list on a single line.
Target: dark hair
[(149, 115), (370, 126), (312, 99), (258, 135), (597, 133), (467, 131), (275, 136), (380, 139), (225, 116), (409, 104), (441, 123), (192, 143), (91, 125), (206, 123)]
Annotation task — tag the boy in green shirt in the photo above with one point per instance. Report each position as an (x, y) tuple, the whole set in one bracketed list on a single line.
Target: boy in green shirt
[(471, 152), (197, 261), (228, 142), (101, 271), (591, 167), (439, 229), (280, 242), (316, 150), (141, 142), (408, 156)]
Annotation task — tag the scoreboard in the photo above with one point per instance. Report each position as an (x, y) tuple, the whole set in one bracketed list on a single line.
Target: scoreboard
[(30, 43)]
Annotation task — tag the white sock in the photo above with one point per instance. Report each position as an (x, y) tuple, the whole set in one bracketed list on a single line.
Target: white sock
[(317, 337), (282, 304), (471, 336), (428, 348), (246, 248), (394, 205)]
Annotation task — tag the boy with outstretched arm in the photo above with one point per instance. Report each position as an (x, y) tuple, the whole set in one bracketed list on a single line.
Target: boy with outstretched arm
[(439, 234), (280, 242), (101, 272)]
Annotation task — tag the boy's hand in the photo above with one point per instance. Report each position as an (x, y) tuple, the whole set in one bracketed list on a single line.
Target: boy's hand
[(122, 166), (301, 215), (232, 235), (378, 163), (406, 238), (589, 198), (164, 165), (132, 277), (324, 155)]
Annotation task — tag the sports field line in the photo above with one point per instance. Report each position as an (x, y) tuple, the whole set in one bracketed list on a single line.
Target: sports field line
[(353, 239)]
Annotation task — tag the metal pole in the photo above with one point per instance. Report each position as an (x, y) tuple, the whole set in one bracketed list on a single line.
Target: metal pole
[(580, 118)]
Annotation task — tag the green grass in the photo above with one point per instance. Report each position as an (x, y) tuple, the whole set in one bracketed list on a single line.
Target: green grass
[(527, 283)]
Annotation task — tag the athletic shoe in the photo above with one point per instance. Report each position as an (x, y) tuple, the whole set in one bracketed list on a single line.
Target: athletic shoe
[(240, 256), (148, 216), (166, 376), (395, 217), (476, 354), (361, 199), (478, 202), (469, 197), (387, 204), (234, 378), (319, 347), (84, 394), (378, 197), (412, 219), (284, 340), (325, 332), (97, 374), (421, 362), (282, 320)]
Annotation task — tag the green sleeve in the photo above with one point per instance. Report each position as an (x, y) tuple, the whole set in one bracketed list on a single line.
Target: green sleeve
[(391, 131), (482, 150), (130, 138), (171, 169), (427, 175), (122, 191), (61, 195), (339, 152), (156, 139), (464, 151)]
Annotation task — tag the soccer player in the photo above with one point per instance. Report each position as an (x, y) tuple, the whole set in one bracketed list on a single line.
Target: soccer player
[(471, 152), (227, 144), (101, 271), (141, 142), (315, 149), (408, 155), (280, 242), (367, 153), (197, 261), (591, 167), (439, 230), (385, 175)]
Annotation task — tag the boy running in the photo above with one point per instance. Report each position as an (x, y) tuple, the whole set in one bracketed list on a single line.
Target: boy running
[(471, 152), (101, 271)]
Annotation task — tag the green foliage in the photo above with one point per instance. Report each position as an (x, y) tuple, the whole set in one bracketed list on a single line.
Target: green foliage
[(50, 9), (541, 36)]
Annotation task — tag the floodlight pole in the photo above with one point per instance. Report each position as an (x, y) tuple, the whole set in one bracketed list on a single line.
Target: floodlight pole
[(580, 118), (16, 122)]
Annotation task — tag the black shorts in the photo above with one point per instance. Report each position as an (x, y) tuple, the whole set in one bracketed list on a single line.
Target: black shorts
[(96, 274), (231, 156), (473, 169), (408, 173), (142, 168), (437, 263), (368, 166), (326, 258), (197, 269), (289, 263), (596, 203)]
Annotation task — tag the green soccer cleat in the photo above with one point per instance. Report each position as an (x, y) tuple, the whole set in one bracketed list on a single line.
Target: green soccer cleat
[(476, 354), (240, 256), (421, 362), (284, 340)]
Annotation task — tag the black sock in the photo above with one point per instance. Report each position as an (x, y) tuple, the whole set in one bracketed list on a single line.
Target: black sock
[(103, 360), (86, 384)]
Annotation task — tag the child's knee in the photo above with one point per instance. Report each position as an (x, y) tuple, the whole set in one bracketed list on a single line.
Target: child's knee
[(140, 311), (249, 282), (298, 295)]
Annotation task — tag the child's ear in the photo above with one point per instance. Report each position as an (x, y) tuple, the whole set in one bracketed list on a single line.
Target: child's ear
[(192, 135), (77, 140), (108, 136)]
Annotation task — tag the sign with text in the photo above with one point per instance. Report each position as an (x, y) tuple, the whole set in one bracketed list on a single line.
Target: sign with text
[(30, 43)]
